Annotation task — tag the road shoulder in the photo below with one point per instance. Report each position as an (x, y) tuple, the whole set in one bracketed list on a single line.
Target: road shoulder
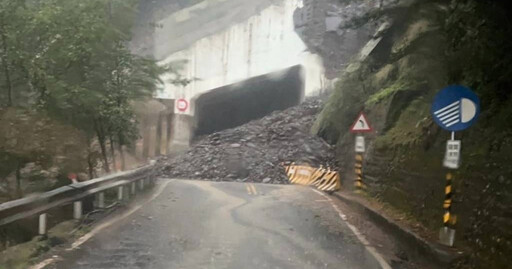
[(409, 244)]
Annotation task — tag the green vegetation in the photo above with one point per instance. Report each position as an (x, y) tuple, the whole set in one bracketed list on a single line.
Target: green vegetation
[(436, 44), (24, 254), (68, 62), (345, 103), (387, 92), (408, 128)]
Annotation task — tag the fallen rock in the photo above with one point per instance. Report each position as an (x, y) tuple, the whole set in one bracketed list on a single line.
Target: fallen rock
[(254, 152)]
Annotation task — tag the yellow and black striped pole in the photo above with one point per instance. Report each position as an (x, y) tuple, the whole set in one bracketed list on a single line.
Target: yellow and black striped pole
[(449, 220), (358, 183), (447, 233)]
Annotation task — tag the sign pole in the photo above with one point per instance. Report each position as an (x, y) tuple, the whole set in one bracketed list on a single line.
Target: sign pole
[(452, 161), (447, 233), (455, 108), (361, 125), (358, 183)]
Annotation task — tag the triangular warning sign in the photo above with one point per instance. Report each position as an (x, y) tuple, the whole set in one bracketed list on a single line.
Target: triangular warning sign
[(361, 125)]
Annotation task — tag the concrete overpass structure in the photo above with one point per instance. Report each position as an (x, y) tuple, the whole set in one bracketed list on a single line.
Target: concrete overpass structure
[(223, 46)]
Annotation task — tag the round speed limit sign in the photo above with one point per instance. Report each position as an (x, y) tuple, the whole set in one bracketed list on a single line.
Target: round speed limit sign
[(182, 105)]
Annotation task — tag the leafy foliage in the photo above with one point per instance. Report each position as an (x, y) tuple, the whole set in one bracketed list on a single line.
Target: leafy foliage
[(70, 59), (481, 41)]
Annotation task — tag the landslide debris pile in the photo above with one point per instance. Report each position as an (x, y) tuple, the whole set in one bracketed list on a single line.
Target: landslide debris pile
[(254, 152)]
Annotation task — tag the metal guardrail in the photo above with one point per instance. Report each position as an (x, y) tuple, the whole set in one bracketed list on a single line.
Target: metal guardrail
[(125, 182)]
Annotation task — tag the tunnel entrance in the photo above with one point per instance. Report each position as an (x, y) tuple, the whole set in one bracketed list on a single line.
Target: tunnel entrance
[(233, 105)]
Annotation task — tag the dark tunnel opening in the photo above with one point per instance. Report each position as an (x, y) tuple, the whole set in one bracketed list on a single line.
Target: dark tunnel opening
[(233, 105)]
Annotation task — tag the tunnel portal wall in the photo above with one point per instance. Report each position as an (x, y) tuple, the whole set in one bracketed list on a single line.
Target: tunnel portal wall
[(233, 105)]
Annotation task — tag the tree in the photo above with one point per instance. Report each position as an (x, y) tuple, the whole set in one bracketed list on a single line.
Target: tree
[(70, 60), (12, 17), (84, 72)]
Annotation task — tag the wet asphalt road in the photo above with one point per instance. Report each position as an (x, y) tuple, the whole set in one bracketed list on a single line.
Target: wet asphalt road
[(196, 224)]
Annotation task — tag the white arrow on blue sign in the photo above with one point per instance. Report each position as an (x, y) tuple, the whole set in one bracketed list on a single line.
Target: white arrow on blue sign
[(455, 108)]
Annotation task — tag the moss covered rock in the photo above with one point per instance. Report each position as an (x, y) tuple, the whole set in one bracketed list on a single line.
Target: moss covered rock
[(395, 86)]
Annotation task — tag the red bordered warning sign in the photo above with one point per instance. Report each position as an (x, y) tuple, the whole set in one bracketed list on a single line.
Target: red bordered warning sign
[(361, 125), (182, 105)]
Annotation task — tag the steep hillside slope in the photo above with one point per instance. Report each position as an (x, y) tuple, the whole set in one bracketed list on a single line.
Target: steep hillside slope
[(37, 153), (432, 44)]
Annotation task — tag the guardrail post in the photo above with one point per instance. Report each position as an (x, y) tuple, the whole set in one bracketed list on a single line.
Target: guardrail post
[(126, 191), (42, 224), (120, 191), (77, 210), (101, 200), (141, 184), (133, 188)]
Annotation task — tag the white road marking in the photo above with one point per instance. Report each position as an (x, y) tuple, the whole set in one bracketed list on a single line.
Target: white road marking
[(45, 263), (382, 262), (99, 228)]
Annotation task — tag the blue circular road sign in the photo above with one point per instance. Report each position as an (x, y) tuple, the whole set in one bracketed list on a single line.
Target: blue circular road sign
[(455, 108)]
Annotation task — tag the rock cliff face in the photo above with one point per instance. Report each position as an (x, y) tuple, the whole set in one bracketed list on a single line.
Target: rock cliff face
[(337, 30), (394, 78)]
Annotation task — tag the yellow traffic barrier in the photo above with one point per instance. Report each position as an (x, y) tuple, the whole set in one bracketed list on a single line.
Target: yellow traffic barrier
[(322, 179)]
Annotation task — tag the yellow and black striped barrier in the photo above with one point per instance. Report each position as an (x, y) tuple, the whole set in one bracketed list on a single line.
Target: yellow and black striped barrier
[(358, 168), (322, 179)]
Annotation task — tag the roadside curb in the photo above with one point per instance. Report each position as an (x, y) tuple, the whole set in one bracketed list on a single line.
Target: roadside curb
[(439, 254)]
